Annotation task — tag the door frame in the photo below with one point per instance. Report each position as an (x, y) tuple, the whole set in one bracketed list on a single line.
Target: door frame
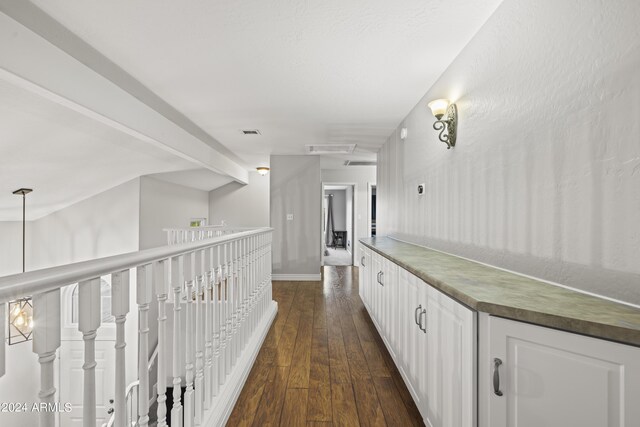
[(354, 229)]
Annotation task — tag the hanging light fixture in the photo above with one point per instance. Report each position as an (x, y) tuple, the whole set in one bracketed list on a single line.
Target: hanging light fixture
[(263, 170), (21, 311)]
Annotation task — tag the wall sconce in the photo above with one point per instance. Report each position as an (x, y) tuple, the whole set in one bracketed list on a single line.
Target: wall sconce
[(263, 170), (447, 126)]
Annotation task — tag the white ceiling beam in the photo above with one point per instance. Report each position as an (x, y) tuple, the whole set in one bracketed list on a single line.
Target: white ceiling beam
[(38, 54)]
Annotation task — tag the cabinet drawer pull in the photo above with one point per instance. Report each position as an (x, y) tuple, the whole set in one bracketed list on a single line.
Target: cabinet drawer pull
[(424, 311), (362, 261), (381, 275), (496, 376), (415, 314), (378, 277)]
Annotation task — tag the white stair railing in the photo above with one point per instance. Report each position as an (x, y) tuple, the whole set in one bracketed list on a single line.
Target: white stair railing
[(224, 284), (192, 234)]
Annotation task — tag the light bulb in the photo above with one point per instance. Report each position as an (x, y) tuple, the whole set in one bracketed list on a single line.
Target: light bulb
[(30, 322), (16, 310), (20, 320)]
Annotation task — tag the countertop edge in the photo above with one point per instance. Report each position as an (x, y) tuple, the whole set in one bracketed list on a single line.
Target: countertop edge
[(619, 334)]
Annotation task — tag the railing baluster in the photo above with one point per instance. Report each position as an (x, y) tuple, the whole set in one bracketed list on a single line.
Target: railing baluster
[(143, 298), (208, 329), (119, 310), (188, 394), (176, 283), (160, 279), (223, 316), (199, 327), (217, 286), (46, 340), (229, 304), (89, 316)]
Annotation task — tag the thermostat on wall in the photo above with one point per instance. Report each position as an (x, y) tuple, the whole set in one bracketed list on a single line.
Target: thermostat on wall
[(420, 189)]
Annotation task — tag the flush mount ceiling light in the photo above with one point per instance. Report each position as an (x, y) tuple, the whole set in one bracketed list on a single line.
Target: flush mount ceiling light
[(331, 148), (263, 170), (447, 125)]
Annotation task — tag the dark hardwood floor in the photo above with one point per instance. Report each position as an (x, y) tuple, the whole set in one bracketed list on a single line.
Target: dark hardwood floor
[(323, 363)]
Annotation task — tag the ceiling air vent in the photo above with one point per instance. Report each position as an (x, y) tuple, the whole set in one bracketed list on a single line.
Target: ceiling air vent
[(331, 148), (250, 131), (360, 163)]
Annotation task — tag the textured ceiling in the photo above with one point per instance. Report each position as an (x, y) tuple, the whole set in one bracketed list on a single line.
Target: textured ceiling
[(300, 72)]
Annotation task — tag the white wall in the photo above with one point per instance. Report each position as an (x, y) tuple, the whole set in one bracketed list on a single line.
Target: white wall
[(296, 188), (10, 247), (167, 205), (545, 177), (360, 176), (241, 205)]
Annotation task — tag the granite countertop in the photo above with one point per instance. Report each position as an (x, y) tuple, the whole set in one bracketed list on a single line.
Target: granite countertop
[(512, 296)]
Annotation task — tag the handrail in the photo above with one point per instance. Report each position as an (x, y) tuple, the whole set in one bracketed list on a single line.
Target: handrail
[(39, 281)]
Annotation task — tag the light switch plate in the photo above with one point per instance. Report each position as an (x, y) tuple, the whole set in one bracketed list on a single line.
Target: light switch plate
[(289, 217)]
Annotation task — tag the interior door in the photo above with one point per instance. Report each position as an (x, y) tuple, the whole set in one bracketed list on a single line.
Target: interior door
[(71, 359), (71, 381)]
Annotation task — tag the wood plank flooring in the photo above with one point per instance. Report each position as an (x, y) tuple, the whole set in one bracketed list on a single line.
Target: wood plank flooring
[(323, 363)]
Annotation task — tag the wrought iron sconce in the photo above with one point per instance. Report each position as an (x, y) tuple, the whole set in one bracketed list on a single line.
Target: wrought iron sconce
[(447, 126), (20, 321)]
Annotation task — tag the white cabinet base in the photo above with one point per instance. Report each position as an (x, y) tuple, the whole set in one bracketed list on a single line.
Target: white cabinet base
[(554, 378)]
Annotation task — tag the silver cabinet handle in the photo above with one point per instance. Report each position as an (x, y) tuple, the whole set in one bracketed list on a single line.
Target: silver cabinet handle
[(362, 261), (496, 376), (380, 278), (424, 311), (415, 314)]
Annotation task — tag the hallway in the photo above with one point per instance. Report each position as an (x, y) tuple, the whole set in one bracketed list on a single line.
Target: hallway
[(323, 362)]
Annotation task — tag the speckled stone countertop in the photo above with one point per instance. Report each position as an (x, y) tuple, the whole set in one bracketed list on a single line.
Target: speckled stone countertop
[(510, 295)]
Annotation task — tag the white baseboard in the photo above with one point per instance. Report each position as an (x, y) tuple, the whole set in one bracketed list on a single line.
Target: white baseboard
[(297, 277), (219, 414)]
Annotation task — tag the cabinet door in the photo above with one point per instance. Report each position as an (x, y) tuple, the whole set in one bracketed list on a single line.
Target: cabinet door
[(388, 281), (554, 378), (365, 277), (361, 274), (375, 287), (448, 362), (409, 330)]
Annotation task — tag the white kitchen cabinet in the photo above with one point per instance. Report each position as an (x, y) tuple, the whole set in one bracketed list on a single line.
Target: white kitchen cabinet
[(532, 376), (448, 361), (365, 276), (388, 281), (376, 297)]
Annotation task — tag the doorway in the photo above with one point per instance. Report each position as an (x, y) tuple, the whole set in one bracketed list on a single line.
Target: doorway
[(71, 360), (338, 229)]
